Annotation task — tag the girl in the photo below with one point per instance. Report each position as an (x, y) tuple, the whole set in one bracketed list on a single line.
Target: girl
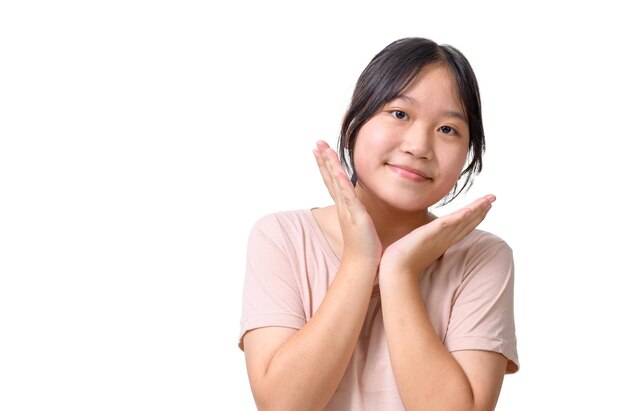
[(374, 303)]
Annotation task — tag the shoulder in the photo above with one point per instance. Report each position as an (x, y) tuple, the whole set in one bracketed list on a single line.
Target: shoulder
[(283, 222), (290, 230), (483, 252), (483, 301), (480, 242), (273, 239), (483, 239)]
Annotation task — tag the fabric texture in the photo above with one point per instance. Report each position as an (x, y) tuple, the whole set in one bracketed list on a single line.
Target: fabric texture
[(468, 294)]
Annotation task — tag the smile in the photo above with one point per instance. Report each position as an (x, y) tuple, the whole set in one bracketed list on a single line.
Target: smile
[(409, 173)]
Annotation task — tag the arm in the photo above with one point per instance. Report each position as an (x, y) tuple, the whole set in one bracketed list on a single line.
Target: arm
[(301, 369), (428, 376)]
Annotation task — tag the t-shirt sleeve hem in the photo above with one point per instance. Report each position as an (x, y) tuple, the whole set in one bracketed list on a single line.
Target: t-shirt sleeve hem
[(506, 348), (276, 320)]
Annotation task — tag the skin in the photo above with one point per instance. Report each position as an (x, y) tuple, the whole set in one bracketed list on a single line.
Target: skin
[(382, 226)]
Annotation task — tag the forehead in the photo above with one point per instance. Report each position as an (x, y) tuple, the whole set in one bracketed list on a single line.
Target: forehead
[(434, 89)]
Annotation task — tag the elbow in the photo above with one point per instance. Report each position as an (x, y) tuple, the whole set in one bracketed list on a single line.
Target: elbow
[(262, 397), (268, 398), (263, 403), (274, 404)]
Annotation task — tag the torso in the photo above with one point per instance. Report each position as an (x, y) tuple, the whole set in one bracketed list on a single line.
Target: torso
[(326, 218)]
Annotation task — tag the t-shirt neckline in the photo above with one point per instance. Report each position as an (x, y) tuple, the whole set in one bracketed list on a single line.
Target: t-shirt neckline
[(322, 237)]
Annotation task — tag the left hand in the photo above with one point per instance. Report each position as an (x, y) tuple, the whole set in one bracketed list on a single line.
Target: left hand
[(361, 243), (414, 252)]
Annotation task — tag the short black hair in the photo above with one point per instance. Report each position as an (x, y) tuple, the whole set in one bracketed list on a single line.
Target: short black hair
[(389, 73)]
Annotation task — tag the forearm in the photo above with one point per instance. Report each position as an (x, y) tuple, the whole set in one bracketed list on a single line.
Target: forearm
[(305, 372), (428, 376)]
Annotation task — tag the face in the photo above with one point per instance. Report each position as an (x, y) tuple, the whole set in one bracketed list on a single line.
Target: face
[(411, 153)]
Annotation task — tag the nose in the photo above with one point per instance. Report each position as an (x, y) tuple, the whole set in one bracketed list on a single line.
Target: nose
[(418, 142)]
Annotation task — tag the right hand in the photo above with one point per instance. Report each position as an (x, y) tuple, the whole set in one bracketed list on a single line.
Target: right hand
[(422, 246), (361, 243)]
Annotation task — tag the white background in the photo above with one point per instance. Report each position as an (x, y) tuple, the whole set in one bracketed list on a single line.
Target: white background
[(140, 140)]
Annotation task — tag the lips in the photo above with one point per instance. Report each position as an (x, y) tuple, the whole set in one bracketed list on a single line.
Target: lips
[(409, 172)]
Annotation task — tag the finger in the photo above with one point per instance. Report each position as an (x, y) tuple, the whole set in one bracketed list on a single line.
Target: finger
[(335, 167), (328, 155), (479, 204), (343, 186), (460, 223), (321, 145), (324, 172), (473, 215), (328, 163), (343, 196), (481, 207), (334, 176), (348, 195)]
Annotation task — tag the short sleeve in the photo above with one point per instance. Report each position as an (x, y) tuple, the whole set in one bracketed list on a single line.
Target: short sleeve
[(482, 310), (271, 296)]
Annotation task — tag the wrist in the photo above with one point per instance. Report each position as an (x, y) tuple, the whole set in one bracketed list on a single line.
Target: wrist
[(363, 266), (398, 277)]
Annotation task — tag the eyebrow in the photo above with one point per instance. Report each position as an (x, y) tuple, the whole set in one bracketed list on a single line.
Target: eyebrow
[(447, 113)]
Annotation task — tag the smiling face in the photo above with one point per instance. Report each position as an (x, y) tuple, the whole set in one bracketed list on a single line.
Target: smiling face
[(410, 154)]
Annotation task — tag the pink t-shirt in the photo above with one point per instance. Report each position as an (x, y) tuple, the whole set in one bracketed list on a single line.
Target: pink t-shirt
[(468, 294)]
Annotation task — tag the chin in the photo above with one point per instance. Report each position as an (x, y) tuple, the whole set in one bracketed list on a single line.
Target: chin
[(397, 199), (408, 205)]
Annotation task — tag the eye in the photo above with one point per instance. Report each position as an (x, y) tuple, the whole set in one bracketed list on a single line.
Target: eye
[(447, 130), (399, 114)]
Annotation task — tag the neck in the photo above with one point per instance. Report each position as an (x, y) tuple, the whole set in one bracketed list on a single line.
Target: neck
[(392, 223)]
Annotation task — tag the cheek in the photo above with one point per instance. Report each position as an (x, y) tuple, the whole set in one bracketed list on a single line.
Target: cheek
[(460, 162), (373, 138), (453, 162), (459, 155), (360, 159), (364, 146)]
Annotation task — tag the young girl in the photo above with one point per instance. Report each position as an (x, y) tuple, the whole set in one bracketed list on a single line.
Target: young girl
[(374, 303)]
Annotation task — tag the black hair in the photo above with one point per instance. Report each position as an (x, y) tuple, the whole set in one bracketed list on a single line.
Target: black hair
[(389, 73)]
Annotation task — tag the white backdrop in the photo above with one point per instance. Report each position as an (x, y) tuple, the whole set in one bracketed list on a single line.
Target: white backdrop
[(140, 140)]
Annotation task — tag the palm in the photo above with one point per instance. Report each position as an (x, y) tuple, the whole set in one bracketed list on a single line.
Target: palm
[(360, 239), (416, 250), (422, 246)]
